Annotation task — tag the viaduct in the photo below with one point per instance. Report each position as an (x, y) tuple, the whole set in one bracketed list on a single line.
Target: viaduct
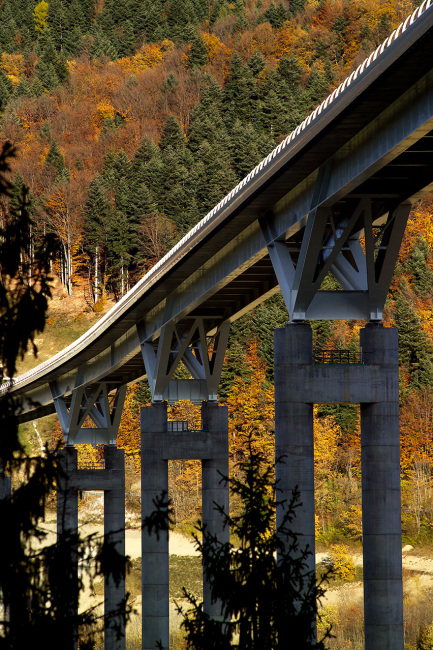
[(333, 197)]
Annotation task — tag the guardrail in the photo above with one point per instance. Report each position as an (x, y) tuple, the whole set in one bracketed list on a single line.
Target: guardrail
[(338, 356)]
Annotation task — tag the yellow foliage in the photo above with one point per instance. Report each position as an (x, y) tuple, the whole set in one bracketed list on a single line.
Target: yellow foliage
[(129, 435), (344, 567), (103, 110), (251, 410), (13, 65), (88, 456), (213, 43), (352, 521), (148, 56), (40, 16), (326, 435)]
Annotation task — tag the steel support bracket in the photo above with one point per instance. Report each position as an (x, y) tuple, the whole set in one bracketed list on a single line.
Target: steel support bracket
[(358, 248), (201, 354), (101, 402)]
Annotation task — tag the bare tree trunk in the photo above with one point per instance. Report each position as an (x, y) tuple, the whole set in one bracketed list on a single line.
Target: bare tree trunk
[(96, 272)]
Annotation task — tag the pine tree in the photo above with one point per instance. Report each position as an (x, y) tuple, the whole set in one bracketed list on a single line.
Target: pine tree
[(171, 135), (215, 177), (276, 15), (56, 162), (296, 6), (419, 268), (257, 63), (414, 345), (149, 18), (267, 596), (244, 150), (240, 93), (6, 90), (127, 40), (198, 56), (23, 88), (8, 28), (59, 23)]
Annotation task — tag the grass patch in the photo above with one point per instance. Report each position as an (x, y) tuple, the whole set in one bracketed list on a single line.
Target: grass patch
[(185, 571)]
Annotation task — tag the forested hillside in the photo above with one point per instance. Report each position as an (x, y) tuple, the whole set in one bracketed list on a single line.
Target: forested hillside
[(133, 118)]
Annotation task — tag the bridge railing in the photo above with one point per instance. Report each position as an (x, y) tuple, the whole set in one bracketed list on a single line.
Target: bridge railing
[(175, 426), (339, 356)]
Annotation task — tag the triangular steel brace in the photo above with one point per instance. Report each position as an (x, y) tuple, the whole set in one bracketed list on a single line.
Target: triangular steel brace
[(101, 402), (364, 276), (203, 356)]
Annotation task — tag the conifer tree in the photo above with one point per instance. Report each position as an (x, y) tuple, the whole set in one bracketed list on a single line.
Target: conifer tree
[(418, 266), (171, 135), (198, 56), (55, 161), (414, 345), (8, 27), (267, 596), (6, 90)]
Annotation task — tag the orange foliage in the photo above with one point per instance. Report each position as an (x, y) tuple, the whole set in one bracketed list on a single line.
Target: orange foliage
[(420, 222), (416, 429), (326, 436), (13, 65), (129, 435), (148, 56), (251, 409)]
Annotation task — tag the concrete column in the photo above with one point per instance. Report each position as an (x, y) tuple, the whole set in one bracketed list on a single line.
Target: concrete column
[(5, 484), (214, 490), (381, 503), (5, 494), (154, 481), (114, 533), (294, 433), (67, 533)]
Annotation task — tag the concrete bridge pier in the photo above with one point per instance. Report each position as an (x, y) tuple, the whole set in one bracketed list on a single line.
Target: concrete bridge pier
[(114, 533), (154, 482), (111, 480), (158, 445), (67, 532), (214, 489), (381, 501), (294, 432), (373, 383)]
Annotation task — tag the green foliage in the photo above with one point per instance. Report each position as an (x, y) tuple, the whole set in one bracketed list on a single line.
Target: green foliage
[(267, 595), (198, 54), (419, 268), (415, 346), (172, 135)]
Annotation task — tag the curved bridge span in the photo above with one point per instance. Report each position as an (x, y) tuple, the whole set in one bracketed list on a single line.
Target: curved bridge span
[(333, 197), (352, 169)]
